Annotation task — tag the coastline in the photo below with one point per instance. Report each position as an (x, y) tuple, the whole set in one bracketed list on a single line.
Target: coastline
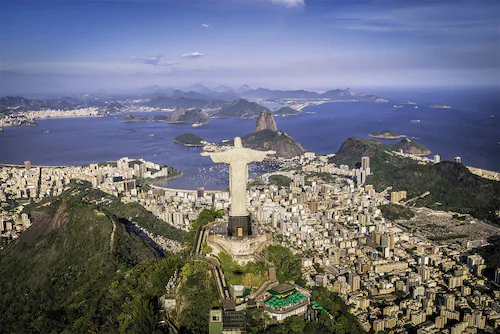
[(188, 145), (208, 191), (149, 182), (166, 188)]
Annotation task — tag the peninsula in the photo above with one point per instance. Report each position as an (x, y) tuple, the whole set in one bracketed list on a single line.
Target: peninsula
[(408, 146), (267, 137)]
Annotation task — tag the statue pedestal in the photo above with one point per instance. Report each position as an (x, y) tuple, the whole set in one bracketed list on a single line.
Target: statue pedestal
[(239, 226), (241, 250)]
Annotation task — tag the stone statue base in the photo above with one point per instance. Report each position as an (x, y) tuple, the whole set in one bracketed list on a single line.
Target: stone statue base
[(239, 226), (241, 250)]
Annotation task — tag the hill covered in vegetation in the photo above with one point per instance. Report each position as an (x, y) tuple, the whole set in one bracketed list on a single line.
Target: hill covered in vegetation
[(284, 145), (79, 269), (406, 145), (451, 185), (188, 139), (265, 138)]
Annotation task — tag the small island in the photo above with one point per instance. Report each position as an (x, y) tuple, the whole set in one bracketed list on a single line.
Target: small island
[(441, 106), (189, 139), (407, 102), (131, 118), (386, 134)]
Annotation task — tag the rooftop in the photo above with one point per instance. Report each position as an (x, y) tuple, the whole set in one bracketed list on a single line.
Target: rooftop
[(281, 289), (281, 302)]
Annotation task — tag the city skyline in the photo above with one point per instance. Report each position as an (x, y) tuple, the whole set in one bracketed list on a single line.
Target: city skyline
[(316, 45)]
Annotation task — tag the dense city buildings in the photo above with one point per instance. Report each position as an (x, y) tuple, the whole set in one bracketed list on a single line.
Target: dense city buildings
[(396, 273)]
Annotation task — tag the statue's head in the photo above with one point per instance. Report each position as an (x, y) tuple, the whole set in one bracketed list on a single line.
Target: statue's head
[(237, 143)]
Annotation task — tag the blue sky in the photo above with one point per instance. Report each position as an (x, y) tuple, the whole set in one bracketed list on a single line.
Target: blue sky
[(293, 44)]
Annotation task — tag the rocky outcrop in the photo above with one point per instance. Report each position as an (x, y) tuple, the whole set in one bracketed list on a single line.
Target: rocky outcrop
[(284, 145), (265, 122), (44, 223), (176, 114), (410, 147), (191, 116), (131, 118), (267, 137)]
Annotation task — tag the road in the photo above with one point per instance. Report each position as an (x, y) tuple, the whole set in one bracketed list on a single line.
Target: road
[(220, 279)]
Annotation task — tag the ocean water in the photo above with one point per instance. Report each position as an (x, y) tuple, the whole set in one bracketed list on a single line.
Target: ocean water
[(465, 130)]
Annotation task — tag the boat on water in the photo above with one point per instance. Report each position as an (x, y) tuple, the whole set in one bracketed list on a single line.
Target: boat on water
[(151, 134), (415, 121), (46, 131)]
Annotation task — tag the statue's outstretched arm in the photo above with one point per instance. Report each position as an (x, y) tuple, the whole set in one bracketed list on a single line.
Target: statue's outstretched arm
[(259, 156), (217, 156)]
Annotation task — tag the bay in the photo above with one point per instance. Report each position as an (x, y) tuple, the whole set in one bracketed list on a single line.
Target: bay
[(465, 130)]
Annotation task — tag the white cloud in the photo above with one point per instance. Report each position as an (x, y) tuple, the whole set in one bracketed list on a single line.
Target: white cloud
[(204, 25), (289, 3), (155, 61), (193, 55)]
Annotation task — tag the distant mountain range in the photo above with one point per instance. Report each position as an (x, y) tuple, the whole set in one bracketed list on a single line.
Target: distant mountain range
[(225, 93), (241, 108), (196, 96), (167, 102), (9, 104), (199, 96)]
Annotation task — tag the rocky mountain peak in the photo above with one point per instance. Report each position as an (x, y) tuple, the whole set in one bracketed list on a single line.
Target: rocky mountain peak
[(265, 122)]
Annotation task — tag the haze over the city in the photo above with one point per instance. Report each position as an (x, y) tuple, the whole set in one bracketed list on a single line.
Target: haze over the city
[(288, 44)]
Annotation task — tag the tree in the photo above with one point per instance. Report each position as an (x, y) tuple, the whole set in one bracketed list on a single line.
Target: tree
[(281, 181), (295, 324), (288, 267), (257, 320)]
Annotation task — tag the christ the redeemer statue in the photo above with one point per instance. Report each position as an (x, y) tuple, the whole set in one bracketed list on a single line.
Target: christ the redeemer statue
[(238, 159)]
